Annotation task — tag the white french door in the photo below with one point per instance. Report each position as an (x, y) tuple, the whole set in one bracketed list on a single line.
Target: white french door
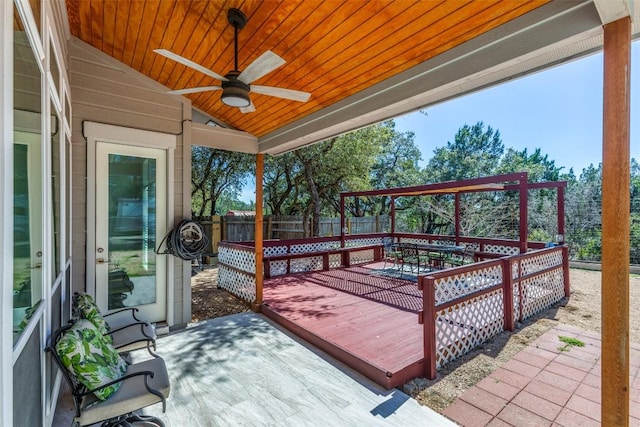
[(130, 218)]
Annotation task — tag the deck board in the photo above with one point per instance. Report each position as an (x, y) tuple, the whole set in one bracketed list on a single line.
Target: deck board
[(367, 317)]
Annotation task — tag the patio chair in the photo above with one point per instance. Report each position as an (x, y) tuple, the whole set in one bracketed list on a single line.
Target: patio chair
[(122, 327), (436, 259), (466, 257), (104, 387), (410, 255), (390, 251)]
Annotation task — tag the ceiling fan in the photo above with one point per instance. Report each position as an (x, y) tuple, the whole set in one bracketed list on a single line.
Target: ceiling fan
[(236, 85)]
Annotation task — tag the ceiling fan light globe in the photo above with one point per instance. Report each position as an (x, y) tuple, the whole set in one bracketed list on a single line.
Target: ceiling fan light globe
[(235, 97)]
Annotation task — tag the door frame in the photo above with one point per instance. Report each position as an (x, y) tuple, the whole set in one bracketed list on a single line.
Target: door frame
[(99, 132)]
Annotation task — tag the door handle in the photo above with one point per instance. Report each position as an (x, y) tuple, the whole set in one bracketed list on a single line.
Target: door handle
[(101, 260), (38, 266)]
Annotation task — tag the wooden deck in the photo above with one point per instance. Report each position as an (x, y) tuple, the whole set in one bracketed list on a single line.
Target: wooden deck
[(364, 316)]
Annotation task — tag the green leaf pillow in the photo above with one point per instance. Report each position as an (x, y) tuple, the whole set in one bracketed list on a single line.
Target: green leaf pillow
[(88, 309), (90, 359)]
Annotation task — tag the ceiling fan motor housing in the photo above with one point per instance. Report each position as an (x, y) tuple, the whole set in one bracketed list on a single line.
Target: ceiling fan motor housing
[(235, 93)]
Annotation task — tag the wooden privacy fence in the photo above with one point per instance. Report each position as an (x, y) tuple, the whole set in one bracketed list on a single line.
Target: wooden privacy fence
[(241, 228)]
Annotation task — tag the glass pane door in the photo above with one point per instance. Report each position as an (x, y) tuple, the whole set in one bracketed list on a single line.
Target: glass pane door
[(27, 228), (130, 206)]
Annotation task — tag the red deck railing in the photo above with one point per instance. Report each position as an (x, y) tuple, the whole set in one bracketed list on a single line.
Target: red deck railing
[(462, 307), (465, 306)]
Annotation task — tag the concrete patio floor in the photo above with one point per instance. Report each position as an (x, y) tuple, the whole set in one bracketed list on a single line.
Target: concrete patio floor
[(243, 370), (545, 386)]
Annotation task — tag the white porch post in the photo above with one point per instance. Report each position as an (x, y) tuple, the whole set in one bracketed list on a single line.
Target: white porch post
[(616, 223)]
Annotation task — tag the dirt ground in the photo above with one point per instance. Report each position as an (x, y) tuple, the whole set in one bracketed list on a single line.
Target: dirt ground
[(582, 310), (207, 301)]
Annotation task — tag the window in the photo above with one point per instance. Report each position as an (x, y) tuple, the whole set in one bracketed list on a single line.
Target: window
[(28, 191)]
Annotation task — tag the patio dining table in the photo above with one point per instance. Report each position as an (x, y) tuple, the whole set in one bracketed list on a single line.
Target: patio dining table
[(437, 254)]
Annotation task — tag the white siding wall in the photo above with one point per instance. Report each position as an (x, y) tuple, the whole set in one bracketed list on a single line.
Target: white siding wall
[(106, 91)]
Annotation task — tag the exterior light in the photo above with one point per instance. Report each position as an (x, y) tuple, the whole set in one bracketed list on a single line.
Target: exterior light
[(235, 96)]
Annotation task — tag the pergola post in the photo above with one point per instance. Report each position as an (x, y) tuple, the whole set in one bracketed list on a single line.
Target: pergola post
[(524, 215), (616, 223), (342, 222), (457, 217), (259, 232), (393, 215), (560, 195)]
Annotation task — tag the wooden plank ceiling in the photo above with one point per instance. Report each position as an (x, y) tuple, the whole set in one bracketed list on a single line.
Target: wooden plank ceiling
[(333, 48)]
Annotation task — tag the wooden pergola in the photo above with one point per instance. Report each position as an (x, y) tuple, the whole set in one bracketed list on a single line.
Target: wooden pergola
[(508, 182)]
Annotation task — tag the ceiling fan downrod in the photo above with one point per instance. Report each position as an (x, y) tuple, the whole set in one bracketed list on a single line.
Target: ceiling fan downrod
[(238, 20)]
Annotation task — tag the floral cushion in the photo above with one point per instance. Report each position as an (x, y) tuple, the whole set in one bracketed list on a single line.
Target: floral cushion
[(88, 309), (90, 359)]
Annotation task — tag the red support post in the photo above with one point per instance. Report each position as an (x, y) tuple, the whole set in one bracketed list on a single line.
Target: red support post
[(429, 324), (507, 292), (565, 270), (561, 214), (457, 215), (524, 195), (393, 215), (267, 270), (342, 221), (325, 261)]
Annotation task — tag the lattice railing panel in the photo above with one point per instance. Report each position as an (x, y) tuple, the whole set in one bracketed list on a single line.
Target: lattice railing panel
[(300, 265), (463, 327), (451, 287), (355, 243), (239, 284), (443, 242), (542, 291), (501, 249), (541, 262), (243, 259), (516, 300), (278, 267), (360, 257), (475, 246), (335, 260), (314, 247), (275, 250)]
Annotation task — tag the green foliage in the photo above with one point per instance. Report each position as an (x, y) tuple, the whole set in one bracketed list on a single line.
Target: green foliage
[(308, 181), (473, 153), (569, 342), (216, 174)]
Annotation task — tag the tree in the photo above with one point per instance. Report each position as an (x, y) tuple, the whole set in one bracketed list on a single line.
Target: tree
[(395, 166), (215, 173), (473, 153), (583, 213)]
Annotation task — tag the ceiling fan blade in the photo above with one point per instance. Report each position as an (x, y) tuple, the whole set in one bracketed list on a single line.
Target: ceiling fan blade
[(250, 109), (294, 95), (263, 65), (193, 90), (189, 63)]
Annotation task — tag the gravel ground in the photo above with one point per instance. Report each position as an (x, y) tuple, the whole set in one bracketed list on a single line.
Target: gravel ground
[(582, 310)]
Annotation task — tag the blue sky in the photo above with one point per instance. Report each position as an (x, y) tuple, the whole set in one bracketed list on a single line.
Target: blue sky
[(557, 110)]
